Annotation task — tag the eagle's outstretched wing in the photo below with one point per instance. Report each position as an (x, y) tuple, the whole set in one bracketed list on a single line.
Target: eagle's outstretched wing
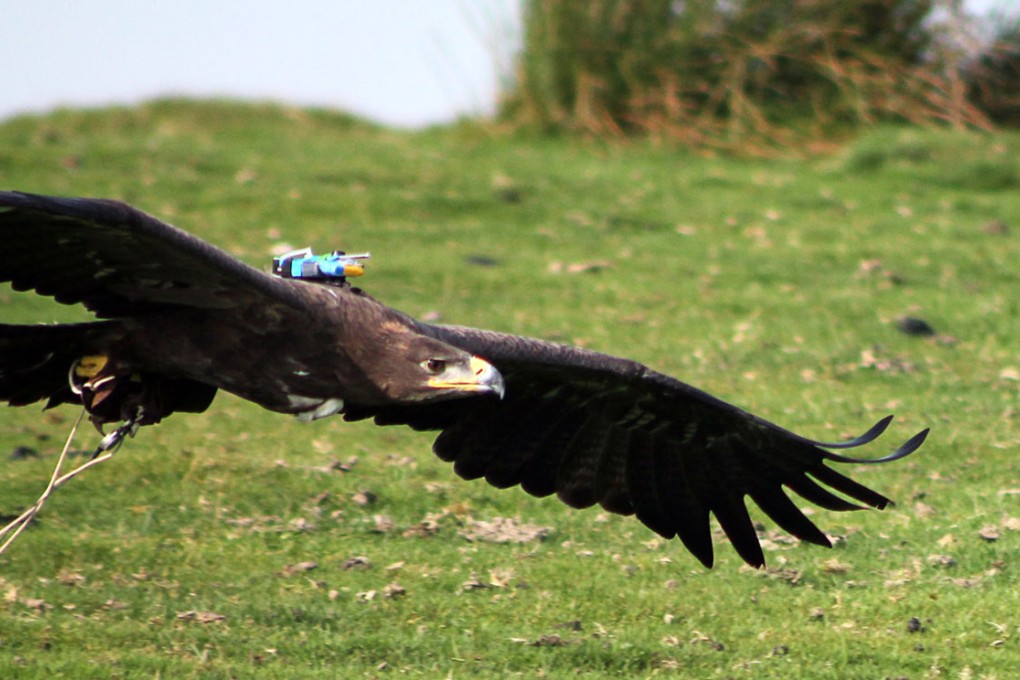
[(594, 428), (117, 260)]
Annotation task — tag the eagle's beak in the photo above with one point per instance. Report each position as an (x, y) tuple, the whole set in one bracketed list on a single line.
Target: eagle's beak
[(480, 376)]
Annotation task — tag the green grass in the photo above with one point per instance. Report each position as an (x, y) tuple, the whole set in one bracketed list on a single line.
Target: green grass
[(742, 277)]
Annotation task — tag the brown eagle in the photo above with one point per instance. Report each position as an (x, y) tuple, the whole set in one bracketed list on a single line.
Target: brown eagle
[(180, 319)]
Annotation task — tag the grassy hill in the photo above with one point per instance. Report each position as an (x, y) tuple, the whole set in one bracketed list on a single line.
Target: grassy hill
[(773, 284)]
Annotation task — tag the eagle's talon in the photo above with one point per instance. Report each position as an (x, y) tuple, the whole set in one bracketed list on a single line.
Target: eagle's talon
[(111, 442)]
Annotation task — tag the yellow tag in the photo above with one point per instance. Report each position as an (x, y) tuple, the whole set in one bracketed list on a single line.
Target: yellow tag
[(90, 366)]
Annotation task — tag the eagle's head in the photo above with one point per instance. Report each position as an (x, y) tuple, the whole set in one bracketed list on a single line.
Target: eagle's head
[(453, 374), (418, 368)]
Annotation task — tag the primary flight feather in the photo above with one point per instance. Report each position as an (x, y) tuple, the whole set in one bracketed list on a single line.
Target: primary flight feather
[(180, 319)]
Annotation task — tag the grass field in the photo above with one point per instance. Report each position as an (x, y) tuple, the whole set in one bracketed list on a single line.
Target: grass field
[(231, 544)]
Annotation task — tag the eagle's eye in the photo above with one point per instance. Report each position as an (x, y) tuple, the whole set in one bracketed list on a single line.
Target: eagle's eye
[(434, 365)]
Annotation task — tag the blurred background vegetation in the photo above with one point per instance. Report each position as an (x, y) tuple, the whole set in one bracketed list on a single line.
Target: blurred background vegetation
[(762, 75)]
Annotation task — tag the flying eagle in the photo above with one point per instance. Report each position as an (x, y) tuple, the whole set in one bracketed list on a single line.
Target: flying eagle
[(180, 319)]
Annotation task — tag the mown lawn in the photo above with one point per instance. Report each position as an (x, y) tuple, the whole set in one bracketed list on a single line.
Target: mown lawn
[(224, 544)]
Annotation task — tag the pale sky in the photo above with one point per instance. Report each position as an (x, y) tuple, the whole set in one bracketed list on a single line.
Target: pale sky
[(406, 63), (400, 62)]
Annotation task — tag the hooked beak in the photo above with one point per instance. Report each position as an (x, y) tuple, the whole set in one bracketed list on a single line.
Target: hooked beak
[(480, 376)]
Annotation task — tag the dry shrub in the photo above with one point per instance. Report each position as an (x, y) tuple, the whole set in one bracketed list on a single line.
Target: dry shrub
[(993, 76), (748, 73)]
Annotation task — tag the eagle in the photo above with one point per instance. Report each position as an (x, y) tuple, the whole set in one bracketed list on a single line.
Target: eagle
[(178, 319)]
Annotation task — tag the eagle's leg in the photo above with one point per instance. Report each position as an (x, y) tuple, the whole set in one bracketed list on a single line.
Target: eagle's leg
[(111, 395)]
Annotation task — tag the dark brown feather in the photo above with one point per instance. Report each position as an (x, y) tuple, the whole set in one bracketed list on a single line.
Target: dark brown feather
[(576, 477), (640, 473), (611, 478), (540, 474)]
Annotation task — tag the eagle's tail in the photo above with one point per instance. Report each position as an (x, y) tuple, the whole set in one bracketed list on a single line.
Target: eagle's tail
[(35, 360)]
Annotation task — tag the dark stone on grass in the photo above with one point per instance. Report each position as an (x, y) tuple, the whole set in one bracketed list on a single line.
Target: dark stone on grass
[(914, 326), (510, 195), (481, 261), (23, 453)]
